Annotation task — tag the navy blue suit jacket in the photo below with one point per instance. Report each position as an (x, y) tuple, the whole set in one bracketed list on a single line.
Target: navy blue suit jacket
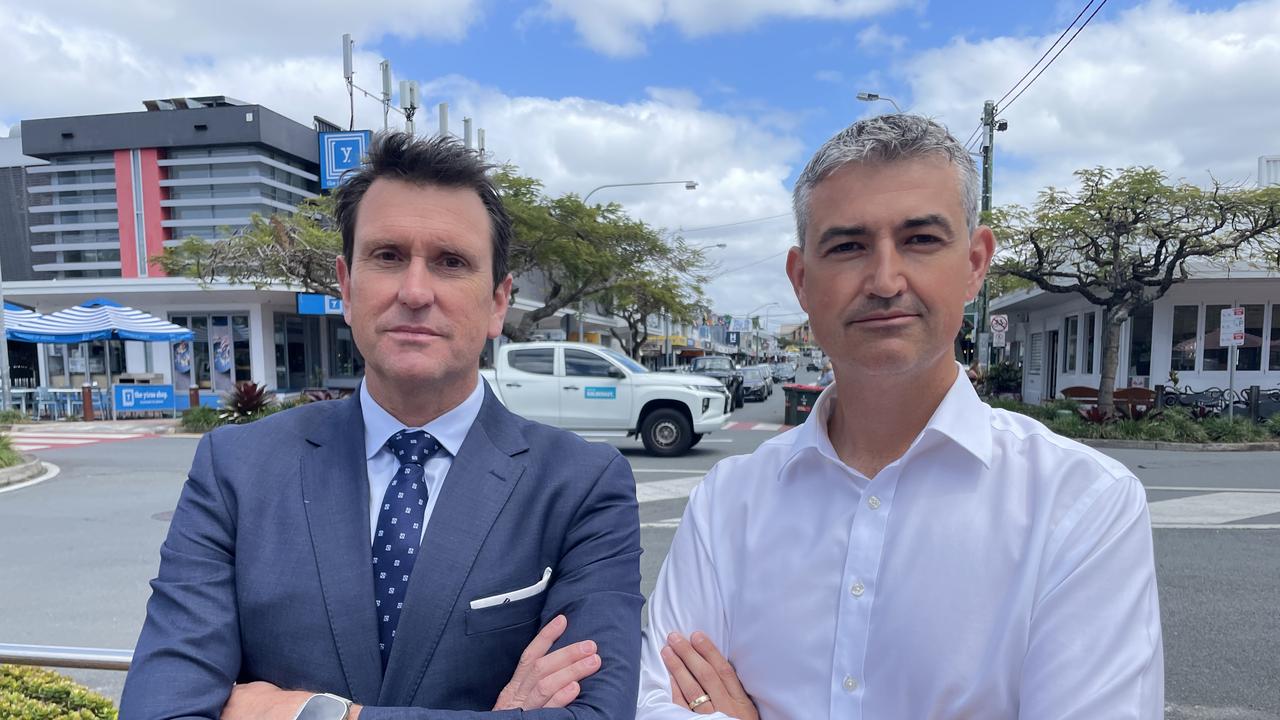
[(266, 573)]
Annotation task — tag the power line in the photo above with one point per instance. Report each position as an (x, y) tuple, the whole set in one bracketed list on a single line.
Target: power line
[(750, 264), (1055, 57), (1036, 64), (734, 224)]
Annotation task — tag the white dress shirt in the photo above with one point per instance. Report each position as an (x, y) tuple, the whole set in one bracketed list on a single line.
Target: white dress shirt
[(995, 570), (450, 429)]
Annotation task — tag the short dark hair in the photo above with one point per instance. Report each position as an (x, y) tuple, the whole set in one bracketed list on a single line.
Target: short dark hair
[(441, 160)]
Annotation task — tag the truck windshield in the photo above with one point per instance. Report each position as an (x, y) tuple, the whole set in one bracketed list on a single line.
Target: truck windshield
[(711, 364), (625, 361)]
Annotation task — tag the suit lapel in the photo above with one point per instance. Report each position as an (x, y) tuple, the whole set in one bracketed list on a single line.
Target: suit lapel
[(335, 490), (478, 485)]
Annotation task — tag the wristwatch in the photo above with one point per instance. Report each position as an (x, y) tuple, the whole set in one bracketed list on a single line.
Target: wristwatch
[(324, 706)]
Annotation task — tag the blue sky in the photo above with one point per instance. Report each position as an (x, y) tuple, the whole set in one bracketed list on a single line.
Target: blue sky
[(732, 93)]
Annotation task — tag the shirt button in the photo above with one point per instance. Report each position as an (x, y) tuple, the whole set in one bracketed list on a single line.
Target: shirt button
[(857, 590), (850, 684), (873, 502)]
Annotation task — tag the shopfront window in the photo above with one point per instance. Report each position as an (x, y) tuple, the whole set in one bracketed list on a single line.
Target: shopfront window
[(1274, 361), (1140, 342), (1089, 343), (1184, 341), (1071, 338), (217, 357), (1249, 355), (297, 346)]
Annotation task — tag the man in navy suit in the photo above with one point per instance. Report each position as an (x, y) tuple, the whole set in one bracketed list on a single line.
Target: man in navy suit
[(414, 551)]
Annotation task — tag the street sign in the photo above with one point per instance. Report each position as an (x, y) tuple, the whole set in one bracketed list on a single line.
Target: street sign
[(317, 304), (142, 398), (999, 324), (1232, 327), (997, 338), (340, 152), (731, 338)]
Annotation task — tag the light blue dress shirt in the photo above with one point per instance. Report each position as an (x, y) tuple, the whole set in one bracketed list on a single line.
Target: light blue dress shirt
[(450, 429)]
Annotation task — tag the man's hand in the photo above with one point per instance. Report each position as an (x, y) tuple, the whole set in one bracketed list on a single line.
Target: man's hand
[(549, 681), (262, 701), (702, 680)]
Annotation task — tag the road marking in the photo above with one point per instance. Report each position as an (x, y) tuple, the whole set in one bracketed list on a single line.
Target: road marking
[(1213, 509), (28, 440), (710, 440), (675, 489), (83, 435), (764, 427), (661, 524)]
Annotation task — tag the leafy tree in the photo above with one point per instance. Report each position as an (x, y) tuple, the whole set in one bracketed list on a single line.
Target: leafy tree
[(647, 293), (1126, 236)]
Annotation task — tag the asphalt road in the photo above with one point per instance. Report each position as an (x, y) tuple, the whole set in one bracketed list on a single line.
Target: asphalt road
[(77, 552)]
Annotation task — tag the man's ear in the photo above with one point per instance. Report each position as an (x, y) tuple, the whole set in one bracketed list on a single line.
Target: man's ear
[(795, 272)]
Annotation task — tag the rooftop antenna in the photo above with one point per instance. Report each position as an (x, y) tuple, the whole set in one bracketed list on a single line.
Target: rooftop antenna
[(408, 102), (385, 66), (349, 72)]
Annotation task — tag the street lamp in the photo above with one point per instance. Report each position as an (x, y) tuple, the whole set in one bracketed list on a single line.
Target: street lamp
[(688, 185), (872, 97), (766, 320)]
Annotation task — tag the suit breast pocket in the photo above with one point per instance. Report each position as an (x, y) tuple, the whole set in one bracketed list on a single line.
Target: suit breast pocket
[(502, 617)]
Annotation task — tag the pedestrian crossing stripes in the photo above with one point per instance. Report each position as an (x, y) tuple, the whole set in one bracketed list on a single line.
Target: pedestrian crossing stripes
[(27, 441), (1233, 509)]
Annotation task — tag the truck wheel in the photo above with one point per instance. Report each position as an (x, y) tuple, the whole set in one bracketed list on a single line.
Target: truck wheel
[(666, 433), (697, 438)]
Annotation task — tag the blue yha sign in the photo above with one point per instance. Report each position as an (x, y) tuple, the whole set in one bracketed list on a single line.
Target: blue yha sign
[(340, 152), (143, 398), (601, 393), (317, 304)]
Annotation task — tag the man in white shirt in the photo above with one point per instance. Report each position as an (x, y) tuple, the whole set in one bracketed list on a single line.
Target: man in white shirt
[(909, 552)]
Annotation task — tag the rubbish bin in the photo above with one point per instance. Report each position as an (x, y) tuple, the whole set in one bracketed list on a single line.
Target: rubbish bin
[(799, 402)]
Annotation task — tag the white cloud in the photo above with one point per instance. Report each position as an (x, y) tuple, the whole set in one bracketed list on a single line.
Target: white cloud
[(874, 38), (1189, 92), (741, 161), (835, 77), (618, 27), (576, 144)]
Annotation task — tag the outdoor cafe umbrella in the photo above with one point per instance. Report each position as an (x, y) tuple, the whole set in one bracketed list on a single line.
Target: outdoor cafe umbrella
[(97, 319)]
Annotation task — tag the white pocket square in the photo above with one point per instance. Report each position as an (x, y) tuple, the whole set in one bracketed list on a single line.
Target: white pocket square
[(514, 595)]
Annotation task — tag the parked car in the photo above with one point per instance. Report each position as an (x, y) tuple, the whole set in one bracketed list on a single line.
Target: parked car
[(722, 369), (597, 392), (755, 384)]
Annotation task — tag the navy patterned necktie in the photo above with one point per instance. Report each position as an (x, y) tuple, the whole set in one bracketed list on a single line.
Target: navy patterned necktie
[(399, 532)]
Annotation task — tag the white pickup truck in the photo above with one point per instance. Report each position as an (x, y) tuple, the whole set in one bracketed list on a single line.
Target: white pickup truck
[(595, 391)]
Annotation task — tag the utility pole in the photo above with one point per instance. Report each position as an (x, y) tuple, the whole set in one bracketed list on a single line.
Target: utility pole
[(990, 125)]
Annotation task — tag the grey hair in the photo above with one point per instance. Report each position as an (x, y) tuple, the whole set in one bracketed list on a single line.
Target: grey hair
[(886, 139)]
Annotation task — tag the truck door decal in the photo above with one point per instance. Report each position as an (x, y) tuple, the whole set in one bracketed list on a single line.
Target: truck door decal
[(600, 393)]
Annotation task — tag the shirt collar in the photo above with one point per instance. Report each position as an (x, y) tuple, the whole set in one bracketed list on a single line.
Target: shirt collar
[(961, 417), (450, 429)]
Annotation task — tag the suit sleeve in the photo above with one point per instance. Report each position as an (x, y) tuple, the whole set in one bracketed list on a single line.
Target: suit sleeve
[(1095, 647), (598, 590), (188, 655)]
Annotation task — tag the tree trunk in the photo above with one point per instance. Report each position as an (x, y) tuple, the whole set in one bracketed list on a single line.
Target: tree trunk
[(1110, 359)]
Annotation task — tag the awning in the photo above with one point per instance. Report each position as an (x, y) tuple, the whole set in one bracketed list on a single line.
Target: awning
[(97, 319), (14, 314)]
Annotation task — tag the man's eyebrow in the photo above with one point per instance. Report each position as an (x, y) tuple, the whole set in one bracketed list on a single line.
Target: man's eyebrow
[(932, 219), (842, 231)]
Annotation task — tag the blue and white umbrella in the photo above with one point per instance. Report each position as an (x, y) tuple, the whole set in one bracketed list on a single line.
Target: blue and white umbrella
[(97, 319), (14, 314)]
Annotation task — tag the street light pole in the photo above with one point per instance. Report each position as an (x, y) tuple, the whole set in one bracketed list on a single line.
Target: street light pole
[(688, 185), (872, 97)]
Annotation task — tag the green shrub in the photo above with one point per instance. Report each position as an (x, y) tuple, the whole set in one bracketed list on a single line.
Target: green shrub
[(1273, 424), (1175, 425), (1004, 377), (1074, 426), (200, 419), (28, 693), (12, 417), (8, 455), (1239, 430)]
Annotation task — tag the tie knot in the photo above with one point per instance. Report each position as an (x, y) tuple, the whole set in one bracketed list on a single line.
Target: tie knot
[(412, 447)]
